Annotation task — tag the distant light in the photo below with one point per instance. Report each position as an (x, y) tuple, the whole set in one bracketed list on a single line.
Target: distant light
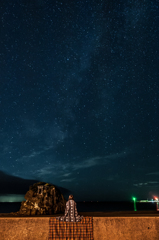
[(134, 199), (12, 198)]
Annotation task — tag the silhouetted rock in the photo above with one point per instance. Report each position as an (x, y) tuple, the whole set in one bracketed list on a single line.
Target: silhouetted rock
[(42, 199)]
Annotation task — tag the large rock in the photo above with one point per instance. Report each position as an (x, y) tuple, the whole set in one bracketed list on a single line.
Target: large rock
[(42, 199)]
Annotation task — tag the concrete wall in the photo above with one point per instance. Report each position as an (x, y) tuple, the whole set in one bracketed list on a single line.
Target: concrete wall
[(24, 228), (104, 228), (126, 228)]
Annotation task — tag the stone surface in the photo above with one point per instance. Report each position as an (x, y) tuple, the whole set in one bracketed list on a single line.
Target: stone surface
[(42, 199), (130, 228), (104, 228), (24, 228)]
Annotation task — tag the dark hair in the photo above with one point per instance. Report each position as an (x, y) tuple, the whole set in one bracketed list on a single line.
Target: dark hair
[(70, 197)]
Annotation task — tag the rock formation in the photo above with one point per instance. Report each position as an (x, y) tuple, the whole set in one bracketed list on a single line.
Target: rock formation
[(42, 199)]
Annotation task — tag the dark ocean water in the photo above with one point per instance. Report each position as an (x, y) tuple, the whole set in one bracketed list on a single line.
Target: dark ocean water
[(90, 206)]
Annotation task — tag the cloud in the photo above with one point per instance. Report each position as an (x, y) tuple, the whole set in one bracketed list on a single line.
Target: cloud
[(64, 168), (144, 184), (45, 171), (115, 156), (153, 182), (66, 174), (67, 180), (49, 170), (14, 188), (99, 160), (13, 184), (87, 163), (153, 173), (33, 154), (61, 169)]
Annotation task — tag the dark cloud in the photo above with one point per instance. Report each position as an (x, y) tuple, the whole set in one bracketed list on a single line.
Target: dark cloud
[(15, 185)]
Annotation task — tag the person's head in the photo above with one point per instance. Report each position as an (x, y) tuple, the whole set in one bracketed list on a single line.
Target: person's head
[(70, 197)]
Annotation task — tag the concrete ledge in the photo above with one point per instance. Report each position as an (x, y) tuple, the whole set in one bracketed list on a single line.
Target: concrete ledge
[(126, 228), (24, 228), (104, 228)]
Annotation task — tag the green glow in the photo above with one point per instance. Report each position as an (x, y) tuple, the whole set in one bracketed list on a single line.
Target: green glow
[(12, 198), (134, 199)]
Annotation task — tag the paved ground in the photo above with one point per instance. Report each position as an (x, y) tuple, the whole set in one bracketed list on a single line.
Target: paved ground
[(96, 214)]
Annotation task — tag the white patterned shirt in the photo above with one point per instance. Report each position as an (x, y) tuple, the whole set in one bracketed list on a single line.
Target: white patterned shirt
[(71, 214)]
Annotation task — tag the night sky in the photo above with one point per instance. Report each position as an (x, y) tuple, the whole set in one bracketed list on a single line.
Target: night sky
[(79, 97)]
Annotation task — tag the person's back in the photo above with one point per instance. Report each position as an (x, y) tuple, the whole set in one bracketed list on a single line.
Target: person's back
[(71, 214)]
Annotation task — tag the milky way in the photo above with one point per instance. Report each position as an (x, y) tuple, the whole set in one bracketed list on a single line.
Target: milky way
[(79, 95)]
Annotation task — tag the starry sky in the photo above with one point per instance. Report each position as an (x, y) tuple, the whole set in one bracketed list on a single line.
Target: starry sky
[(79, 97)]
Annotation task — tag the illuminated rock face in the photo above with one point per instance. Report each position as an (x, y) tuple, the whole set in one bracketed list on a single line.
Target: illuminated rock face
[(42, 199)]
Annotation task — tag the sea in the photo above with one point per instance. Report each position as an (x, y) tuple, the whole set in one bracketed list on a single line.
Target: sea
[(8, 207)]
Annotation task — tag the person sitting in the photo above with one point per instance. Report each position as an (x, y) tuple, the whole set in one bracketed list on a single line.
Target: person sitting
[(71, 214)]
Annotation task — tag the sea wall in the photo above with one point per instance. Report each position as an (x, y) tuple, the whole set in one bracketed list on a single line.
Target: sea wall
[(104, 228), (126, 228), (24, 228)]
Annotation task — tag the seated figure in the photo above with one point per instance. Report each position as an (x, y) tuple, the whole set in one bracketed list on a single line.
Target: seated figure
[(71, 214)]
